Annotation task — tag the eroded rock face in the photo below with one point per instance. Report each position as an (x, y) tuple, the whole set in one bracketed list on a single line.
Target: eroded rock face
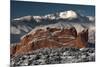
[(51, 38)]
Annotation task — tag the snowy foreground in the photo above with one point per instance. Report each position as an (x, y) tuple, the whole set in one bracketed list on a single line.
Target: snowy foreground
[(55, 56)]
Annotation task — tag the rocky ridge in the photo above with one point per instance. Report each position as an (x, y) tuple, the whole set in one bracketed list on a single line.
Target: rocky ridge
[(51, 38)]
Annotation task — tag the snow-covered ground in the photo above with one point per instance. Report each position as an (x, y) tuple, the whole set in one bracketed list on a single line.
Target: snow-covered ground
[(55, 56)]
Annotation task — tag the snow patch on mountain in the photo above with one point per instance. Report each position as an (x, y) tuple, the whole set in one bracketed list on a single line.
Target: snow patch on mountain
[(91, 18), (24, 18), (68, 15)]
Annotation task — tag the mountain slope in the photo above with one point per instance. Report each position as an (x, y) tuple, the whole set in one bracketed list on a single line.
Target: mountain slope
[(21, 26)]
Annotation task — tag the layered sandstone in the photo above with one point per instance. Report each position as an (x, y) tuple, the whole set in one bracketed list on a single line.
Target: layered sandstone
[(51, 38)]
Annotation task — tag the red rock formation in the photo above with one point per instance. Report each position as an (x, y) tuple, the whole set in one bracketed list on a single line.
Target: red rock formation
[(51, 38), (82, 38)]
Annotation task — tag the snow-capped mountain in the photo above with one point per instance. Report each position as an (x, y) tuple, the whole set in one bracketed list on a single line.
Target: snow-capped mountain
[(66, 15), (23, 25)]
